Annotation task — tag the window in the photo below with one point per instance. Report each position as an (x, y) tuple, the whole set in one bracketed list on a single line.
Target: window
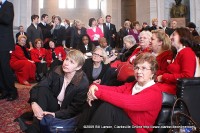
[(93, 4), (61, 4), (41, 3), (70, 3)]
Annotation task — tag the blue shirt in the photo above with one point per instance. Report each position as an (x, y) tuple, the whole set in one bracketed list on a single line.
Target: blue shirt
[(2, 2)]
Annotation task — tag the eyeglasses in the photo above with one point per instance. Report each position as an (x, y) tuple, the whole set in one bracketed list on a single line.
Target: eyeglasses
[(95, 54), (136, 68)]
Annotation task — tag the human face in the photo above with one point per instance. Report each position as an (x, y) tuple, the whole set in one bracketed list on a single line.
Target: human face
[(70, 65), (56, 21), (100, 21), (39, 44), (79, 26), (46, 19), (164, 23), (21, 29), (104, 44), (143, 73), (174, 24), (94, 23), (175, 39), (85, 40), (144, 41), (108, 19), (155, 43), (36, 20), (137, 27), (51, 44), (127, 45), (22, 41), (97, 56)]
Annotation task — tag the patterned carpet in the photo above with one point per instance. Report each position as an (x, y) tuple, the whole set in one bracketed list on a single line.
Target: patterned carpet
[(11, 110)]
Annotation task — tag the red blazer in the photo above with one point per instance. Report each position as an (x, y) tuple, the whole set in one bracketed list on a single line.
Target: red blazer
[(91, 33), (17, 54), (183, 66), (164, 59), (37, 54), (142, 108), (137, 51), (57, 50)]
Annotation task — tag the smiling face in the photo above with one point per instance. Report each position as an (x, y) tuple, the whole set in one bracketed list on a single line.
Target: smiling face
[(155, 43), (97, 55), (22, 41), (51, 44), (175, 39), (143, 73), (144, 41)]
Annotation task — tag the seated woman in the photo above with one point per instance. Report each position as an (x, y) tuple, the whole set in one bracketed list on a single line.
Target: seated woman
[(55, 55), (38, 55), (86, 47), (94, 67), (21, 62), (144, 41), (137, 103), (184, 64), (62, 93), (161, 48)]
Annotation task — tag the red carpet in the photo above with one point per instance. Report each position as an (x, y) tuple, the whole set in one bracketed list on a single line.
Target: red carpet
[(11, 110)]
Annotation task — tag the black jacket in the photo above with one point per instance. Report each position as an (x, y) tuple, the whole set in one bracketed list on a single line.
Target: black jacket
[(88, 68), (6, 27), (75, 94)]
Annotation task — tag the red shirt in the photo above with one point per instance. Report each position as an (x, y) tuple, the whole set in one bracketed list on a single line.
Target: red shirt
[(38, 54), (142, 108)]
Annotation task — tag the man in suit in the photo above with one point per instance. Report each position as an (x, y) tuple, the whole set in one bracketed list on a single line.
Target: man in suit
[(34, 31), (112, 30), (104, 29), (21, 32), (167, 30), (46, 30), (7, 87)]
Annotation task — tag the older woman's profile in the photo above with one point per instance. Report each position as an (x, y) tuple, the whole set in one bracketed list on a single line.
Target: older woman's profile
[(178, 10)]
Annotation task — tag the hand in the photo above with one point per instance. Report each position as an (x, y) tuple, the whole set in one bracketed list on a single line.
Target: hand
[(159, 78), (37, 110), (98, 81), (49, 113), (42, 61), (31, 61), (91, 94)]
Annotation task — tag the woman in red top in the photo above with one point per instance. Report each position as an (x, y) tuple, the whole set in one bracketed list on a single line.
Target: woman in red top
[(132, 104), (55, 55), (184, 64), (161, 48), (21, 63), (38, 55)]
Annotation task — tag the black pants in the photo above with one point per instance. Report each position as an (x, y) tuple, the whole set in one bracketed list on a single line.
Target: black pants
[(7, 80), (107, 119), (47, 102)]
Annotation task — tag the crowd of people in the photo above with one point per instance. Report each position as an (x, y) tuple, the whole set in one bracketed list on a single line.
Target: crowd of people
[(74, 65)]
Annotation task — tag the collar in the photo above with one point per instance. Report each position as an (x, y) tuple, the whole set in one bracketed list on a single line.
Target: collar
[(75, 80), (137, 88), (44, 23), (180, 49), (3, 1)]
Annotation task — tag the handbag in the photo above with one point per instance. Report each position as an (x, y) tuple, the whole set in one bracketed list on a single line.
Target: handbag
[(182, 122), (125, 71), (50, 124)]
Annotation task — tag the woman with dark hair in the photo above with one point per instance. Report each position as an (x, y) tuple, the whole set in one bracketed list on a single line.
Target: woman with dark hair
[(183, 65), (58, 32), (55, 55), (94, 31), (21, 62), (86, 45)]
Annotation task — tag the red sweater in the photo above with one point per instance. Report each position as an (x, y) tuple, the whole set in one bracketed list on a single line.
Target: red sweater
[(57, 50), (183, 67), (136, 52), (164, 59), (142, 108), (36, 54), (91, 33)]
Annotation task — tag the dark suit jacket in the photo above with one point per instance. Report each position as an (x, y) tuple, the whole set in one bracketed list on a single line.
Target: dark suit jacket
[(82, 48), (68, 36), (46, 30), (59, 35), (75, 37), (88, 68), (34, 33), (112, 31), (17, 35), (168, 31), (6, 27), (75, 94)]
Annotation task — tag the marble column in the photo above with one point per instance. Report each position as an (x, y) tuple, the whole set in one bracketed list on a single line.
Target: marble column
[(194, 13)]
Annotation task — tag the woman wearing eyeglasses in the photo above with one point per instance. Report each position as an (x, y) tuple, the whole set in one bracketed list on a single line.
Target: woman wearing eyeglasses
[(132, 104), (94, 67)]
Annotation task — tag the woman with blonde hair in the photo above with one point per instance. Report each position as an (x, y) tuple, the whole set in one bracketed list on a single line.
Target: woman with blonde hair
[(161, 48), (21, 62)]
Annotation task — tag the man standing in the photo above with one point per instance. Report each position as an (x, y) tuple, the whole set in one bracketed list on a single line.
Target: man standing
[(46, 30), (7, 44), (112, 30), (167, 30), (104, 29), (21, 32), (34, 31)]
